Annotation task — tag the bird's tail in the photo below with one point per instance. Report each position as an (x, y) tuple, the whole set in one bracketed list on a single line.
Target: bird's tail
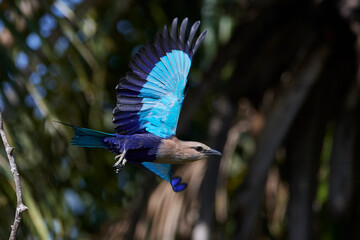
[(85, 137)]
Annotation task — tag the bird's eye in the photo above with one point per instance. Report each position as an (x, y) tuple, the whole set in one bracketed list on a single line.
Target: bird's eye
[(199, 148)]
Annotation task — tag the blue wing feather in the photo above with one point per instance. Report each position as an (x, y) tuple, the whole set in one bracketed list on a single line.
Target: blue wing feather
[(154, 91), (180, 187), (164, 171)]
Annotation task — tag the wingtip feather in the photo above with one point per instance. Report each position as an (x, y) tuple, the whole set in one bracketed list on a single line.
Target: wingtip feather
[(198, 42), (176, 184)]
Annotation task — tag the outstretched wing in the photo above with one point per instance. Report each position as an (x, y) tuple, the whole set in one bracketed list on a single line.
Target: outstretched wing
[(149, 98)]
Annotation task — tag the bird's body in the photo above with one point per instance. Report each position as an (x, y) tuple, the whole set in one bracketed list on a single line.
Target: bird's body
[(139, 147), (149, 100)]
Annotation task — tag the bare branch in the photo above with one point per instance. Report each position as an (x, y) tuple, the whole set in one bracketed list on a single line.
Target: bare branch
[(20, 207)]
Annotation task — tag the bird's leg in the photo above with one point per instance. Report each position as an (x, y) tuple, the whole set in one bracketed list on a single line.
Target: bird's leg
[(121, 162)]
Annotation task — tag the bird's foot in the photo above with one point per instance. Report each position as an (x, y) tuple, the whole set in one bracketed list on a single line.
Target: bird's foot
[(120, 164)]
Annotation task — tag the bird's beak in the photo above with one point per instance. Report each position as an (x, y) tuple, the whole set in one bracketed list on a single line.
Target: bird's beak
[(212, 152)]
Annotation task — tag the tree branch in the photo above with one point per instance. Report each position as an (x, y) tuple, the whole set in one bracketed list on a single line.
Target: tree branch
[(20, 207)]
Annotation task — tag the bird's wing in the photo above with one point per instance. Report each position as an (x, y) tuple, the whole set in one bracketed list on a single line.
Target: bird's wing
[(149, 98), (163, 170)]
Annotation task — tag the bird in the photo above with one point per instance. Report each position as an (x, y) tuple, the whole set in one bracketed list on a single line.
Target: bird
[(148, 103)]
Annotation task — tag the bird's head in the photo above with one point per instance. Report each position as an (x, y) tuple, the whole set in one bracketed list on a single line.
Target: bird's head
[(173, 150), (196, 150)]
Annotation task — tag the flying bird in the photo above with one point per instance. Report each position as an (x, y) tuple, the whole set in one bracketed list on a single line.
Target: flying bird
[(149, 99)]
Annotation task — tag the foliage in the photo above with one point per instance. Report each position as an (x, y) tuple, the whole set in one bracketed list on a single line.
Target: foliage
[(269, 87)]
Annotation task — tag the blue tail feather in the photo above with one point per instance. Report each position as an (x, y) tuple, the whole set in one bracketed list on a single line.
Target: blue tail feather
[(85, 137)]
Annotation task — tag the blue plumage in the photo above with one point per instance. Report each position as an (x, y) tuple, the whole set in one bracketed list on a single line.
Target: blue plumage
[(177, 185), (138, 147), (85, 137), (163, 170), (149, 100), (155, 89)]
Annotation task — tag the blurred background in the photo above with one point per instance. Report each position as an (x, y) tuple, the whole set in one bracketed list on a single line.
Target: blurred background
[(275, 87)]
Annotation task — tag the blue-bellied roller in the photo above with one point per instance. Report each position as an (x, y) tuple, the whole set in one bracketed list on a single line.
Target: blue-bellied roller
[(149, 99)]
